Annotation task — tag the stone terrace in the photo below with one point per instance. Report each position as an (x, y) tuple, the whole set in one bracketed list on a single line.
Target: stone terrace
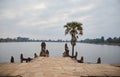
[(57, 67)]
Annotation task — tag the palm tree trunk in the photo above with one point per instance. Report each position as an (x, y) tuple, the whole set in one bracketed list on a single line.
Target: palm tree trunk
[(72, 51)]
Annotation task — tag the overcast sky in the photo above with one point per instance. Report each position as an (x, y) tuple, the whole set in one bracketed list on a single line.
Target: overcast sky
[(44, 19)]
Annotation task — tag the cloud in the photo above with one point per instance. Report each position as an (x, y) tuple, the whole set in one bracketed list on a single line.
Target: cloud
[(32, 18), (40, 6)]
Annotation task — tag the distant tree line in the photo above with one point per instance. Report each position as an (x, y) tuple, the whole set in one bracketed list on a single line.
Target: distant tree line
[(18, 39), (25, 39), (102, 40)]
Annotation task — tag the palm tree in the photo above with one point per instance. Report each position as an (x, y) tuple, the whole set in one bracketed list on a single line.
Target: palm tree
[(74, 29)]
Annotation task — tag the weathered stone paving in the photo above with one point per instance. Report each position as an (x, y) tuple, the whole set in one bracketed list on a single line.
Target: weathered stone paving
[(57, 67)]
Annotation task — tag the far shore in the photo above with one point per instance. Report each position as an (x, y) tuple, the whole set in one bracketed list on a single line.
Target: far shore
[(113, 44)]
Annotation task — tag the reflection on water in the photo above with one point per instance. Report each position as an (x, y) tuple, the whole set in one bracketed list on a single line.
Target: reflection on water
[(108, 54)]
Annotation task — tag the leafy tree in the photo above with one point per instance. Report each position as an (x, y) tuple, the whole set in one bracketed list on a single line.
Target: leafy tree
[(74, 29), (109, 40), (102, 39)]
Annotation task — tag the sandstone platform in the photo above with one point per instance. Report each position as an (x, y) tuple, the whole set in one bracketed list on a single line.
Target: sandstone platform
[(57, 67)]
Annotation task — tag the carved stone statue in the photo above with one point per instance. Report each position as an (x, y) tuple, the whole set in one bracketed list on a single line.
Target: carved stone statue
[(35, 55), (47, 53), (43, 46), (12, 59), (99, 60), (21, 58), (24, 59), (81, 60), (44, 52), (76, 54), (66, 53)]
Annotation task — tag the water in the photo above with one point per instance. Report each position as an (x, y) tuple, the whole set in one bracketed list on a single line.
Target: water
[(109, 54)]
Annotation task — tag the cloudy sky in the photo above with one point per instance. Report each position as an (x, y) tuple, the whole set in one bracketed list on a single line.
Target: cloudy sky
[(44, 19)]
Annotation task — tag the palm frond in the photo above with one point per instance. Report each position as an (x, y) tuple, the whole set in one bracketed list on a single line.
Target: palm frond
[(67, 30), (81, 32), (65, 26), (73, 28)]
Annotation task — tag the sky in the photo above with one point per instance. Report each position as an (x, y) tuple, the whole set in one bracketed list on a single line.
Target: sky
[(45, 19)]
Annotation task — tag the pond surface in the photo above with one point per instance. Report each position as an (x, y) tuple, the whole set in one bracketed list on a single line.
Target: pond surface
[(109, 54)]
